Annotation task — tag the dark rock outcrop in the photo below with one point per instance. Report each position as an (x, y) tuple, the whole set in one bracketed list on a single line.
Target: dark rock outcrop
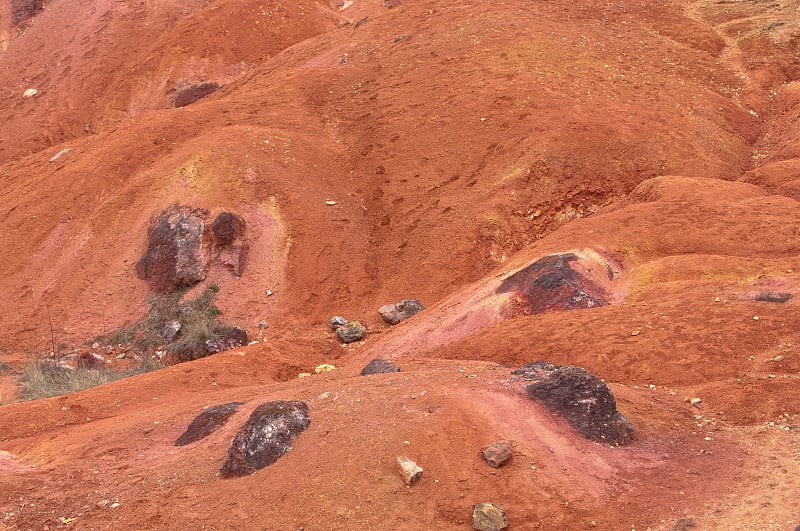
[(188, 95), (400, 311), (580, 397), (230, 248), (773, 296), (24, 9), (266, 436), (352, 331), (551, 283), (379, 366), (207, 423), (175, 255)]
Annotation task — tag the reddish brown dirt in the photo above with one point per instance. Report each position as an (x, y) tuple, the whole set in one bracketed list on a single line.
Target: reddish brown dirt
[(460, 141)]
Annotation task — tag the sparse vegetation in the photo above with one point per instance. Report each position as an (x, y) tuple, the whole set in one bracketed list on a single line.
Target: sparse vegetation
[(40, 379), (197, 319)]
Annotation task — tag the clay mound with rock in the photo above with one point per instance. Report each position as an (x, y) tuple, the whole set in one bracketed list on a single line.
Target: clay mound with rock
[(399, 265)]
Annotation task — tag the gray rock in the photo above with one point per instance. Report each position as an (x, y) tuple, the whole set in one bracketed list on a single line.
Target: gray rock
[(353, 331), (379, 366), (400, 311), (409, 470), (170, 331), (497, 454), (337, 321), (489, 517), (773, 296), (265, 437)]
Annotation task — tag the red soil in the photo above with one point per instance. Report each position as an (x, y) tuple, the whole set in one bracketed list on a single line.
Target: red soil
[(461, 141)]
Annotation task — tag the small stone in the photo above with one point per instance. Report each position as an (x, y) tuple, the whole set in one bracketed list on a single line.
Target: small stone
[(31, 92), (489, 517), (379, 366), (60, 154), (777, 358), (400, 311), (95, 345), (497, 454), (330, 202), (351, 332), (410, 471), (695, 402), (262, 324), (337, 321), (636, 332), (170, 331), (755, 318), (325, 367)]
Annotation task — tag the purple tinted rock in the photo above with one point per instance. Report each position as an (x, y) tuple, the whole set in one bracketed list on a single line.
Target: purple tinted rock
[(773, 296), (400, 311), (175, 256), (207, 423), (581, 398), (266, 436), (551, 283), (379, 366), (497, 454), (227, 227), (192, 93)]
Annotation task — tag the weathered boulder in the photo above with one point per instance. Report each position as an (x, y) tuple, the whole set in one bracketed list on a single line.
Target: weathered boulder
[(497, 454), (379, 366), (400, 311), (207, 423), (265, 437), (551, 283), (187, 95), (227, 227), (352, 331), (489, 517), (175, 255), (580, 397)]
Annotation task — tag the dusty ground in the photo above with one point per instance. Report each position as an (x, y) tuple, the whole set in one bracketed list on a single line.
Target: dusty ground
[(460, 141)]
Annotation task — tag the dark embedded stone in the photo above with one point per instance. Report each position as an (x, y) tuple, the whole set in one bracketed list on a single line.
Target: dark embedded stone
[(773, 296), (175, 256), (489, 517), (227, 227), (267, 435), (337, 321), (25, 9), (497, 454), (400, 311), (188, 95), (352, 331), (379, 366), (228, 337), (551, 283), (207, 423), (580, 397)]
